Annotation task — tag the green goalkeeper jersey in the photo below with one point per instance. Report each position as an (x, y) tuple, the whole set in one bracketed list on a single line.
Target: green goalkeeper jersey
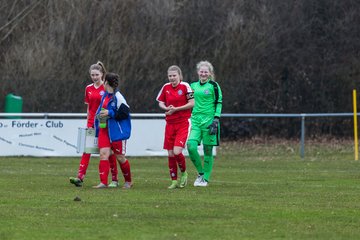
[(208, 98)]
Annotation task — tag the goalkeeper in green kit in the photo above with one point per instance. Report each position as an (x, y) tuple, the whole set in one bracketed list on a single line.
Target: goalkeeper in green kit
[(205, 121)]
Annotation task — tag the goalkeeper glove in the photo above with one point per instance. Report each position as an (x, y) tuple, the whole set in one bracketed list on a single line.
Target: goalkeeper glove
[(213, 127)]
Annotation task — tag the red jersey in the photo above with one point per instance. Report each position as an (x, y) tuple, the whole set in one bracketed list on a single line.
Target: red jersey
[(176, 96), (107, 100), (93, 97)]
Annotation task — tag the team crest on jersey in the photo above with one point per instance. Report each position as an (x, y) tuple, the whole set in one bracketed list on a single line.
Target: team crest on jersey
[(180, 92), (206, 92), (102, 92), (112, 104)]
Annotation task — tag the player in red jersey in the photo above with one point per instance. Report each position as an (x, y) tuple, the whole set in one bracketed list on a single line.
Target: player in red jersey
[(93, 95), (176, 99)]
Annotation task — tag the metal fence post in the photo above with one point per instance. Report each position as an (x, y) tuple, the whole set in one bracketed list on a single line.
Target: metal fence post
[(302, 140)]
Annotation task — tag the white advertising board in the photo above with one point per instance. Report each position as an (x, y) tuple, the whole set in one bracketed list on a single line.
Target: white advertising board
[(58, 137)]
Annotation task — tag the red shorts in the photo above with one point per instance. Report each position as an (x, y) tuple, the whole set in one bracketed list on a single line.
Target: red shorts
[(118, 147), (176, 134)]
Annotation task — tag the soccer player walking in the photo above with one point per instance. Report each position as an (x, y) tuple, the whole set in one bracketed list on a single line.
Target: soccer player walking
[(176, 99), (205, 119), (93, 95), (113, 128)]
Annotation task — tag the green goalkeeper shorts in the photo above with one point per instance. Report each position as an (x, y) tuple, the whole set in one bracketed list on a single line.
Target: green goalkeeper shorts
[(200, 131)]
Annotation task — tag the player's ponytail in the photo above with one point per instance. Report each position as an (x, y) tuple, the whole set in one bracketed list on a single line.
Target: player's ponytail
[(103, 69)]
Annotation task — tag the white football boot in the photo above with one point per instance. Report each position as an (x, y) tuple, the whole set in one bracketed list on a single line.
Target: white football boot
[(199, 179)]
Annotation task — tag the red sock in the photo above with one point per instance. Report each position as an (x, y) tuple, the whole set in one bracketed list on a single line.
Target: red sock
[(104, 168), (125, 169), (180, 159), (172, 167), (84, 163), (113, 167)]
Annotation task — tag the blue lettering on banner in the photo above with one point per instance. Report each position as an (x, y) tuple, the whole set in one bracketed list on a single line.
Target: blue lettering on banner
[(36, 147), (53, 124), (28, 124), (4, 140), (26, 145), (44, 148), (69, 144), (29, 134), (3, 125), (57, 138), (26, 135), (64, 141)]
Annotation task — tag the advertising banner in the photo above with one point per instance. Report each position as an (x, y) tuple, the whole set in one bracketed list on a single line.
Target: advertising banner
[(58, 137)]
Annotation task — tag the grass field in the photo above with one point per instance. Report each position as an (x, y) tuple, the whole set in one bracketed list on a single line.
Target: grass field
[(259, 191)]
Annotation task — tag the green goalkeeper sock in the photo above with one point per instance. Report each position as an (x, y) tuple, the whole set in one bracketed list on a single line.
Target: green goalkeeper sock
[(194, 155), (208, 162)]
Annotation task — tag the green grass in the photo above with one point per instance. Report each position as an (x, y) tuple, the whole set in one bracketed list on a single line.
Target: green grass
[(259, 191)]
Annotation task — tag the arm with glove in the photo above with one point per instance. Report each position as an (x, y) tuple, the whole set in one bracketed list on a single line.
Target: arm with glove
[(213, 127)]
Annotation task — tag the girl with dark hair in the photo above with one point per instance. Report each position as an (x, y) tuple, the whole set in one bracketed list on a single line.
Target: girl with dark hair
[(115, 112)]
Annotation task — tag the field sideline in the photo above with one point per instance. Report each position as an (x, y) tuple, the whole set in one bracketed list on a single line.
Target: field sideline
[(259, 191)]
